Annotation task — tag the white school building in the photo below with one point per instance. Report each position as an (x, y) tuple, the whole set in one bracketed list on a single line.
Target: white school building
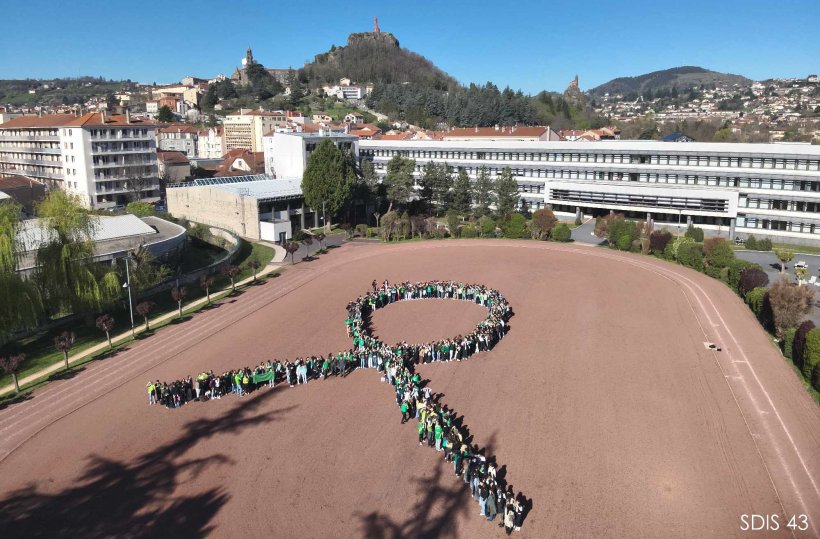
[(740, 189)]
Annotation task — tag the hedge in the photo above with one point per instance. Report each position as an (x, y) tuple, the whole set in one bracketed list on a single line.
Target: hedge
[(754, 299), (561, 232), (788, 342), (811, 355)]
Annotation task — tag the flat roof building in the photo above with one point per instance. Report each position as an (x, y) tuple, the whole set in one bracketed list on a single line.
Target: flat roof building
[(763, 189), (256, 207)]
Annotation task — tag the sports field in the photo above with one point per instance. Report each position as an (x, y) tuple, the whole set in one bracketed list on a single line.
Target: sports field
[(602, 405)]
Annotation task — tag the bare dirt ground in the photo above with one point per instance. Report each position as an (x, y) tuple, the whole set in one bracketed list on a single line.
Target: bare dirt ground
[(602, 405)]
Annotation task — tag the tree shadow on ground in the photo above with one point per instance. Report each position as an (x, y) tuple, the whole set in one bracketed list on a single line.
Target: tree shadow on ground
[(23, 396), (135, 497), (444, 500)]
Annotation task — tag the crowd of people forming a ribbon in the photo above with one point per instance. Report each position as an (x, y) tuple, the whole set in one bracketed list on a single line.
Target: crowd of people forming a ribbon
[(437, 425)]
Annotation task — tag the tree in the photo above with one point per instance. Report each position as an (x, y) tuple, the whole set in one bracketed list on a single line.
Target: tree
[(66, 276), (166, 115), (140, 209), (178, 293), (452, 223), (487, 226), (320, 237), (801, 274), (505, 189), (205, 283), (784, 256), (10, 365), (789, 304), (462, 195), (399, 180), (658, 240), (561, 232), (694, 232), (543, 221), (752, 278), (144, 270), (144, 309), (603, 224), (254, 264), (63, 343), (106, 323), (515, 226), (290, 248), (483, 192), (328, 180), (231, 271), (20, 303)]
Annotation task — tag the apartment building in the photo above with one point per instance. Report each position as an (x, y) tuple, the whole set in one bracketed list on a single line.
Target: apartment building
[(178, 138), (246, 129), (107, 160), (287, 154), (762, 189), (211, 143)]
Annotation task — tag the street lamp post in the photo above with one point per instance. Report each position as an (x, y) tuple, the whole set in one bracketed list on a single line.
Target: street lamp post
[(128, 286)]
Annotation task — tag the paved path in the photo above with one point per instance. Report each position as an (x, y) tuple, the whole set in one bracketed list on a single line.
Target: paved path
[(125, 335)]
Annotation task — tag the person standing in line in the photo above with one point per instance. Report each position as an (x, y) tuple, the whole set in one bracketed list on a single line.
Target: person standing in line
[(509, 516)]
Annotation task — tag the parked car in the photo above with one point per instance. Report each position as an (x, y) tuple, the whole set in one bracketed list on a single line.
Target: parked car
[(801, 264)]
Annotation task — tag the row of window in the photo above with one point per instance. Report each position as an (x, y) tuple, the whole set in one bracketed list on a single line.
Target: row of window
[(120, 146), (27, 156), (115, 133), (126, 172), (33, 133), (779, 205), (624, 199), (29, 146), (796, 163), (776, 224)]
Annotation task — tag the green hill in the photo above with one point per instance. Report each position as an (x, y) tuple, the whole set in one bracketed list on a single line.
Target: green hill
[(59, 92), (679, 77), (376, 58)]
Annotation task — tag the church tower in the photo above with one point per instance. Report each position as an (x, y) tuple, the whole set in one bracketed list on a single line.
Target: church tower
[(375, 25), (248, 57)]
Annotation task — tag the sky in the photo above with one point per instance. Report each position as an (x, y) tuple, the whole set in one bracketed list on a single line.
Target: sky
[(526, 45)]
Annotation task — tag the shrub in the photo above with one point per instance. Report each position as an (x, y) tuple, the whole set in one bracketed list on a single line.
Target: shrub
[(718, 252), (515, 226), (467, 231), (678, 243), (751, 243), (439, 233), (578, 221), (811, 355), (764, 245), (815, 381), (200, 232), (561, 232), (622, 233), (754, 299), (799, 345), (750, 278), (658, 240), (788, 342), (299, 235), (695, 233), (487, 226), (789, 304), (543, 221), (623, 242), (691, 255), (361, 230)]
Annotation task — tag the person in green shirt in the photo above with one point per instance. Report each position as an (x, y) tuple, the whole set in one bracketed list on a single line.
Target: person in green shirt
[(405, 412), (438, 433)]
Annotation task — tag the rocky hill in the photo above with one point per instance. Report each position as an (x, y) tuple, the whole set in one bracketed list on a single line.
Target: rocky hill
[(679, 77), (378, 58)]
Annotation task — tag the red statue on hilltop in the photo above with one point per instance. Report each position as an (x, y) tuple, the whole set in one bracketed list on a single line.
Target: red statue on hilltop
[(375, 25)]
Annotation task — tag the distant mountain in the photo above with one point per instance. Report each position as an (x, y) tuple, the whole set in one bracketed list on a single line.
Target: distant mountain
[(377, 58), (680, 77)]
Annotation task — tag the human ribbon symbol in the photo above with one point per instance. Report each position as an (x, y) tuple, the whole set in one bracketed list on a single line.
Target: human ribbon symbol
[(438, 425)]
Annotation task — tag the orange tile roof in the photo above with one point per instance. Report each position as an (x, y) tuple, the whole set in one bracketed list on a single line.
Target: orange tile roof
[(172, 157), (49, 120), (16, 181), (179, 128), (93, 119), (519, 131)]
